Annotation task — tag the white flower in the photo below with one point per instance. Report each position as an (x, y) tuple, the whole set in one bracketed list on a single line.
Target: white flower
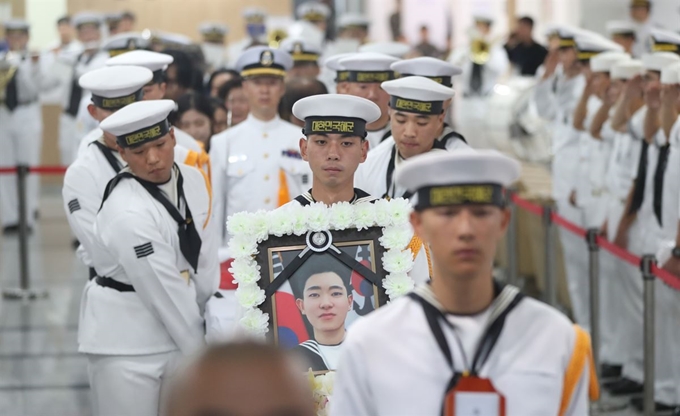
[(299, 221), (327, 382), (256, 322), (397, 284), (397, 261), (280, 222), (318, 217), (239, 223), (383, 212), (242, 246), (259, 226), (396, 237), (364, 216), (341, 214), (400, 210), (245, 271), (249, 296)]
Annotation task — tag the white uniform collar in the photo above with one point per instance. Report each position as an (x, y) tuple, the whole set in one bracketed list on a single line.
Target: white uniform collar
[(263, 125)]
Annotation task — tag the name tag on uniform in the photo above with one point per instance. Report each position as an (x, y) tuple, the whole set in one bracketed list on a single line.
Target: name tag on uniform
[(185, 275), (474, 396)]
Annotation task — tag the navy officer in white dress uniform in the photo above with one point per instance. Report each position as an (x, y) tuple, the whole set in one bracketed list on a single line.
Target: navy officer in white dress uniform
[(417, 118), (257, 164), (145, 311), (464, 333)]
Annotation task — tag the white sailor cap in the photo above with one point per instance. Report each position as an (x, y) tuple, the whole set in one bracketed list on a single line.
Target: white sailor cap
[(428, 67), (463, 177), (418, 95), (336, 114), (16, 25), (213, 32), (114, 87), (395, 49), (86, 18), (125, 42), (670, 74), (333, 63), (171, 39), (313, 11), (302, 50), (265, 61), (140, 122), (621, 27), (591, 44), (665, 40), (606, 60), (349, 20), (254, 16), (658, 60), (567, 33), (368, 67), (627, 69), (153, 61), (483, 17)]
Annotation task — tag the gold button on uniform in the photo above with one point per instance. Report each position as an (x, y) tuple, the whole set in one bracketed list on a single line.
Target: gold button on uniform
[(266, 177), (266, 155), (265, 135), (266, 201)]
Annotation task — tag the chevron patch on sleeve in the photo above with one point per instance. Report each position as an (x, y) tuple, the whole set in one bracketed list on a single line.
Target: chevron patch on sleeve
[(73, 205), (144, 250)]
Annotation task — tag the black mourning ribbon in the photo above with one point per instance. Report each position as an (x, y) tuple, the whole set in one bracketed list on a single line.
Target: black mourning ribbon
[(12, 93), (438, 144), (189, 239), (108, 155), (639, 184), (659, 176), (301, 258), (476, 79)]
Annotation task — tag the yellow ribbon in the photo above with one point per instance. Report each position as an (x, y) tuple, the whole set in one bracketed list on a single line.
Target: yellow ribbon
[(416, 244), (284, 194)]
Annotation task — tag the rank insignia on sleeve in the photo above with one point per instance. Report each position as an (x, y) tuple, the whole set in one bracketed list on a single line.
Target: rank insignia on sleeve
[(73, 205), (144, 250), (294, 154)]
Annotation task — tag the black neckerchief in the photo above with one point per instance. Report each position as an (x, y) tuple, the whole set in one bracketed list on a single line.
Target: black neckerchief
[(390, 169), (108, 155), (451, 135), (76, 90), (639, 184), (189, 239), (506, 298), (307, 198), (659, 175)]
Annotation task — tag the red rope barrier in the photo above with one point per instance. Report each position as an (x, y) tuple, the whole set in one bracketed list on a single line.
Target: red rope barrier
[(40, 170), (668, 278)]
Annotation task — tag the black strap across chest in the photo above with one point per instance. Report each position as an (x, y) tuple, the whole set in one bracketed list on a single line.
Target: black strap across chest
[(109, 156), (659, 176), (640, 179), (489, 338), (438, 144), (189, 239)]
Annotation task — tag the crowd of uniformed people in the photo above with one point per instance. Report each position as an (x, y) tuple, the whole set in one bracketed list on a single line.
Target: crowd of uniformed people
[(166, 139)]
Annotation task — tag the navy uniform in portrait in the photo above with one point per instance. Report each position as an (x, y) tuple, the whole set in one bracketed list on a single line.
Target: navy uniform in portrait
[(146, 309)]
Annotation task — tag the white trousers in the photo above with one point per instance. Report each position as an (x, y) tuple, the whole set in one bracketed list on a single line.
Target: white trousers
[(68, 138), (130, 385), (575, 252), (20, 143), (667, 345)]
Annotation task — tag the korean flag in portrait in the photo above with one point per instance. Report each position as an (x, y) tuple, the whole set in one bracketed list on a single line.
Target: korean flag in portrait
[(316, 307)]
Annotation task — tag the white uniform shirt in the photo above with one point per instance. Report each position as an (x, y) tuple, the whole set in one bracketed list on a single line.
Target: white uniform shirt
[(671, 191), (497, 65), (246, 163), (29, 77), (137, 243), (375, 137), (394, 344), (57, 63), (371, 176), (646, 218)]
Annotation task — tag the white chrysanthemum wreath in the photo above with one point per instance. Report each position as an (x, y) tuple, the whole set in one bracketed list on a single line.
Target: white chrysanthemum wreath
[(248, 229)]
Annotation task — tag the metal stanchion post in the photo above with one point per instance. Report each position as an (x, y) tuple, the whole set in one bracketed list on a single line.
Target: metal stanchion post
[(23, 292), (550, 286), (648, 295), (511, 244)]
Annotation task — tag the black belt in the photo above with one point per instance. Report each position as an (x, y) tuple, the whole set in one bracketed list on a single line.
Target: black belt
[(113, 284)]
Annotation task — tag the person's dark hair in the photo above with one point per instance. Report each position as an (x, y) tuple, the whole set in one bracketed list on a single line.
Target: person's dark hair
[(192, 101), (527, 21), (225, 89), (64, 20), (208, 85), (128, 15), (424, 27), (216, 104), (317, 264), (187, 74), (297, 89)]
